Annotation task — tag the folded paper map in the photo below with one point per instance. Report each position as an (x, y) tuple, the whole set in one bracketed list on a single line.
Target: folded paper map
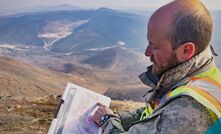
[(75, 110)]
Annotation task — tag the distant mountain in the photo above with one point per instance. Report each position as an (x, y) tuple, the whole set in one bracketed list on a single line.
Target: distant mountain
[(73, 31), (25, 29), (117, 59), (40, 8), (104, 59), (106, 28)]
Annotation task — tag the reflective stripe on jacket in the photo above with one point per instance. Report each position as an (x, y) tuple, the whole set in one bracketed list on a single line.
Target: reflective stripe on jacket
[(204, 87)]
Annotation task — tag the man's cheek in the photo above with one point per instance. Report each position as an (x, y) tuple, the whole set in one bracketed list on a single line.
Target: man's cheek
[(157, 60), (160, 63), (154, 57)]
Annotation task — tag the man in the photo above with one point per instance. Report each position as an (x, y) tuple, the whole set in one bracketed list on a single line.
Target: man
[(186, 85)]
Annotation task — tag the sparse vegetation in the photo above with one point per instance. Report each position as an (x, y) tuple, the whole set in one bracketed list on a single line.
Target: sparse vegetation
[(25, 115), (22, 107)]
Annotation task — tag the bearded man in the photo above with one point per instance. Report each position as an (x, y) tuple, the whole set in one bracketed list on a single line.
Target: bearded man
[(186, 84)]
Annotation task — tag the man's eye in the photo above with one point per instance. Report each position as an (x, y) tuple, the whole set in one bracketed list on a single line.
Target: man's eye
[(153, 47)]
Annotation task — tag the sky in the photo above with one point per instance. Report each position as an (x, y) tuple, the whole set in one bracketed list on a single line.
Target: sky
[(116, 4)]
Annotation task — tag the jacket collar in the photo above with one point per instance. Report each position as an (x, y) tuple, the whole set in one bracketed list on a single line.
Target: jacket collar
[(171, 77)]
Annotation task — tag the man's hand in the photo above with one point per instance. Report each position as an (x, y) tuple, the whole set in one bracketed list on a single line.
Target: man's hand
[(100, 111)]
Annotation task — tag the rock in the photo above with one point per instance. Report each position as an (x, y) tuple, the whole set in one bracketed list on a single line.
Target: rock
[(9, 108), (35, 120), (18, 106)]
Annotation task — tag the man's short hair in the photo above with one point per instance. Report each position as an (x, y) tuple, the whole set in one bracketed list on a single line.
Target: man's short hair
[(191, 26)]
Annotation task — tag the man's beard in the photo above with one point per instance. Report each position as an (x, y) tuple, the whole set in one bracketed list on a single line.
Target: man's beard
[(172, 62)]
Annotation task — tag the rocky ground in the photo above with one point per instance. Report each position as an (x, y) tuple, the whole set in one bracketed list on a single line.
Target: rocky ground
[(34, 116), (31, 114), (22, 115)]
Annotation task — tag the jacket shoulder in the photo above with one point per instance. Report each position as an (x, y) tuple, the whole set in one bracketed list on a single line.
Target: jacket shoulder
[(185, 114), (181, 115)]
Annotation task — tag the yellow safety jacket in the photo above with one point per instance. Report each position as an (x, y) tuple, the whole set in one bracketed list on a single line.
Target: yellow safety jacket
[(204, 87)]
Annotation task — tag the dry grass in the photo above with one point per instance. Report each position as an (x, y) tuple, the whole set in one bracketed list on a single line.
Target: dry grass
[(125, 105), (23, 115)]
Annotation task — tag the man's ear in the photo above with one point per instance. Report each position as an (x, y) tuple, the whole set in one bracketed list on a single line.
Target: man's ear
[(185, 51)]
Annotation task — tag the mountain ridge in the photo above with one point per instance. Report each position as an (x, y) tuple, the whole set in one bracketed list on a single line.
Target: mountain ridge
[(102, 27)]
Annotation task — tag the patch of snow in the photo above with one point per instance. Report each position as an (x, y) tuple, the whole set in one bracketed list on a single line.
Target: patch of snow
[(103, 48), (61, 31), (9, 46), (121, 43), (68, 54)]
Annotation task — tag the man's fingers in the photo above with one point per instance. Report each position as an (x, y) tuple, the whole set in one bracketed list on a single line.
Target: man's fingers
[(99, 104), (98, 114), (100, 111)]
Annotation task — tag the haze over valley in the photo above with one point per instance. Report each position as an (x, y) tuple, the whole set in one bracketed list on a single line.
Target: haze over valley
[(43, 48), (99, 45), (102, 46)]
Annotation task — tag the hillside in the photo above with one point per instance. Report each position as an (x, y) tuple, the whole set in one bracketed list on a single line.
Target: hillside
[(29, 95), (20, 79), (116, 59), (121, 75)]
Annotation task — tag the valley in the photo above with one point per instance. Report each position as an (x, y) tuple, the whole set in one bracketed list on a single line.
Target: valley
[(99, 49)]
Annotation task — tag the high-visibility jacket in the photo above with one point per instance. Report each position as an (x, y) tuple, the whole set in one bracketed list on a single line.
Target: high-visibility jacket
[(204, 88)]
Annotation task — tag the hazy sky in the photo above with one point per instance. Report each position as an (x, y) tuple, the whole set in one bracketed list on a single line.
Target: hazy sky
[(16, 4)]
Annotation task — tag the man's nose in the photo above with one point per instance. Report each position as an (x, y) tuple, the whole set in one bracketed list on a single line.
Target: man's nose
[(148, 51)]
